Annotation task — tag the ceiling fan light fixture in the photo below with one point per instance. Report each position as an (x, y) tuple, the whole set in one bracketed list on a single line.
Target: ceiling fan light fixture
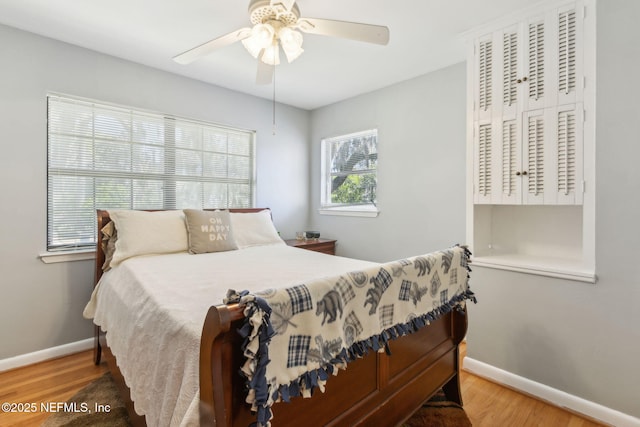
[(251, 47), (270, 55), (292, 55), (291, 41), (290, 38), (265, 40), (262, 37)]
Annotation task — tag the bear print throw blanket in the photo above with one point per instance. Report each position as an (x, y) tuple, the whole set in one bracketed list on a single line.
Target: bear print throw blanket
[(295, 337)]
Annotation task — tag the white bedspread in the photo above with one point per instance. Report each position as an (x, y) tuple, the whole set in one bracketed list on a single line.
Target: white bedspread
[(153, 308)]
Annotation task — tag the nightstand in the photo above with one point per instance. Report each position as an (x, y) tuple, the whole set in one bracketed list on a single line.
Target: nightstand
[(326, 246)]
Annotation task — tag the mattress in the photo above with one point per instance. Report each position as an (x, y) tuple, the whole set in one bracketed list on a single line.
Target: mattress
[(152, 309)]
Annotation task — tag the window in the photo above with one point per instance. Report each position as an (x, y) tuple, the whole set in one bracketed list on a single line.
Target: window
[(108, 157), (349, 174)]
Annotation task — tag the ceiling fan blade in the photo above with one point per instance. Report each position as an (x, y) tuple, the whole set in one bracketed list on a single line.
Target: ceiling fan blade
[(264, 76), (286, 4), (208, 47), (377, 34)]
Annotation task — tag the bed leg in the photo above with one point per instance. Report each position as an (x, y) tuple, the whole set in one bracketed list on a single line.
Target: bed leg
[(452, 390), (458, 331), (97, 348)]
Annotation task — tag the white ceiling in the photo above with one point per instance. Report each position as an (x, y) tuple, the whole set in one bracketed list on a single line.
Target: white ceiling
[(425, 36)]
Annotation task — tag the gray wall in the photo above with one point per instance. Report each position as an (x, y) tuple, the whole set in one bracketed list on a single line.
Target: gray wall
[(41, 305), (579, 338), (421, 167)]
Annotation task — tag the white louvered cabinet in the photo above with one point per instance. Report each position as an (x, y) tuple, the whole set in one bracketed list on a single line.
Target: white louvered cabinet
[(528, 87), (531, 152), (551, 167), (531, 158)]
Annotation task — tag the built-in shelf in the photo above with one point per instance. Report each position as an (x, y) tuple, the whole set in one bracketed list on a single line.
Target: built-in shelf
[(542, 240), (540, 265)]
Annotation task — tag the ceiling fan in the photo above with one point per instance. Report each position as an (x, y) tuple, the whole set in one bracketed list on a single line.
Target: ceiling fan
[(277, 23)]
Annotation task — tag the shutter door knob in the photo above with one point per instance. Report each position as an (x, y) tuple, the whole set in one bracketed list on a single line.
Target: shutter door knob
[(517, 173)]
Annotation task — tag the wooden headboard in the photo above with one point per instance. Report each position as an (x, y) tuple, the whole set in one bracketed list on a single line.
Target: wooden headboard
[(103, 219)]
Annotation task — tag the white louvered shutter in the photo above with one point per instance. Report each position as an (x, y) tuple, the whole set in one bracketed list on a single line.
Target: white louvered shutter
[(510, 70), (484, 153), (536, 60), (484, 54), (510, 161), (566, 152), (568, 170), (533, 174), (569, 36), (566, 51)]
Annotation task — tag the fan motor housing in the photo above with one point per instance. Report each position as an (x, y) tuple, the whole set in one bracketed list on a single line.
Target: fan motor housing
[(261, 11)]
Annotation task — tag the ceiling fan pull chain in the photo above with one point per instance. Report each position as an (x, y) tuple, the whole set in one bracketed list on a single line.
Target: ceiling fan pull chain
[(274, 99)]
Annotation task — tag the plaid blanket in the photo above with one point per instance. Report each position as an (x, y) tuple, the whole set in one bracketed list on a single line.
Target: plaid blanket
[(295, 337)]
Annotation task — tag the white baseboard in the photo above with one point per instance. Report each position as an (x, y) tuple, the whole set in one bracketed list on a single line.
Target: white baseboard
[(46, 354), (551, 395)]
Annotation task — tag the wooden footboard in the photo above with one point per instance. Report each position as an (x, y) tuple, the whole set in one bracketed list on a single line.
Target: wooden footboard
[(374, 388)]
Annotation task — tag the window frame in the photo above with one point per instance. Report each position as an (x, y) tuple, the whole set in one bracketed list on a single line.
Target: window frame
[(351, 209), (58, 251)]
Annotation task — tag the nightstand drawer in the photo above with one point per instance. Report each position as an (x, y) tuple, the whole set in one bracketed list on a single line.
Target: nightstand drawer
[(326, 246)]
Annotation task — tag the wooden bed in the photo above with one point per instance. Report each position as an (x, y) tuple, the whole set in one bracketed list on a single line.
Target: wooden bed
[(377, 390)]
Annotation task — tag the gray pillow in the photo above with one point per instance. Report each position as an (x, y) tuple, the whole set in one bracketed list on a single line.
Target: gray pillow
[(209, 231)]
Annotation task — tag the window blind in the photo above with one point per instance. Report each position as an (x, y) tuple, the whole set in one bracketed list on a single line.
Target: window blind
[(102, 156)]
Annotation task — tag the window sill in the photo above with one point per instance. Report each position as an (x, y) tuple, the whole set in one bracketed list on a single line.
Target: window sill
[(361, 211), (67, 256)]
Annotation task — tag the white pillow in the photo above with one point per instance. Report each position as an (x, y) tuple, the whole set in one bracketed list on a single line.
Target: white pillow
[(254, 229), (141, 233)]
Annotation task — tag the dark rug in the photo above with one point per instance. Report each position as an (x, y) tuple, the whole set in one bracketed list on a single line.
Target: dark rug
[(437, 412), (102, 392)]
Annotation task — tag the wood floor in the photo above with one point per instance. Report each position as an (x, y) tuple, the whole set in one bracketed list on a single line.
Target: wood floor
[(51, 381), (487, 404)]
